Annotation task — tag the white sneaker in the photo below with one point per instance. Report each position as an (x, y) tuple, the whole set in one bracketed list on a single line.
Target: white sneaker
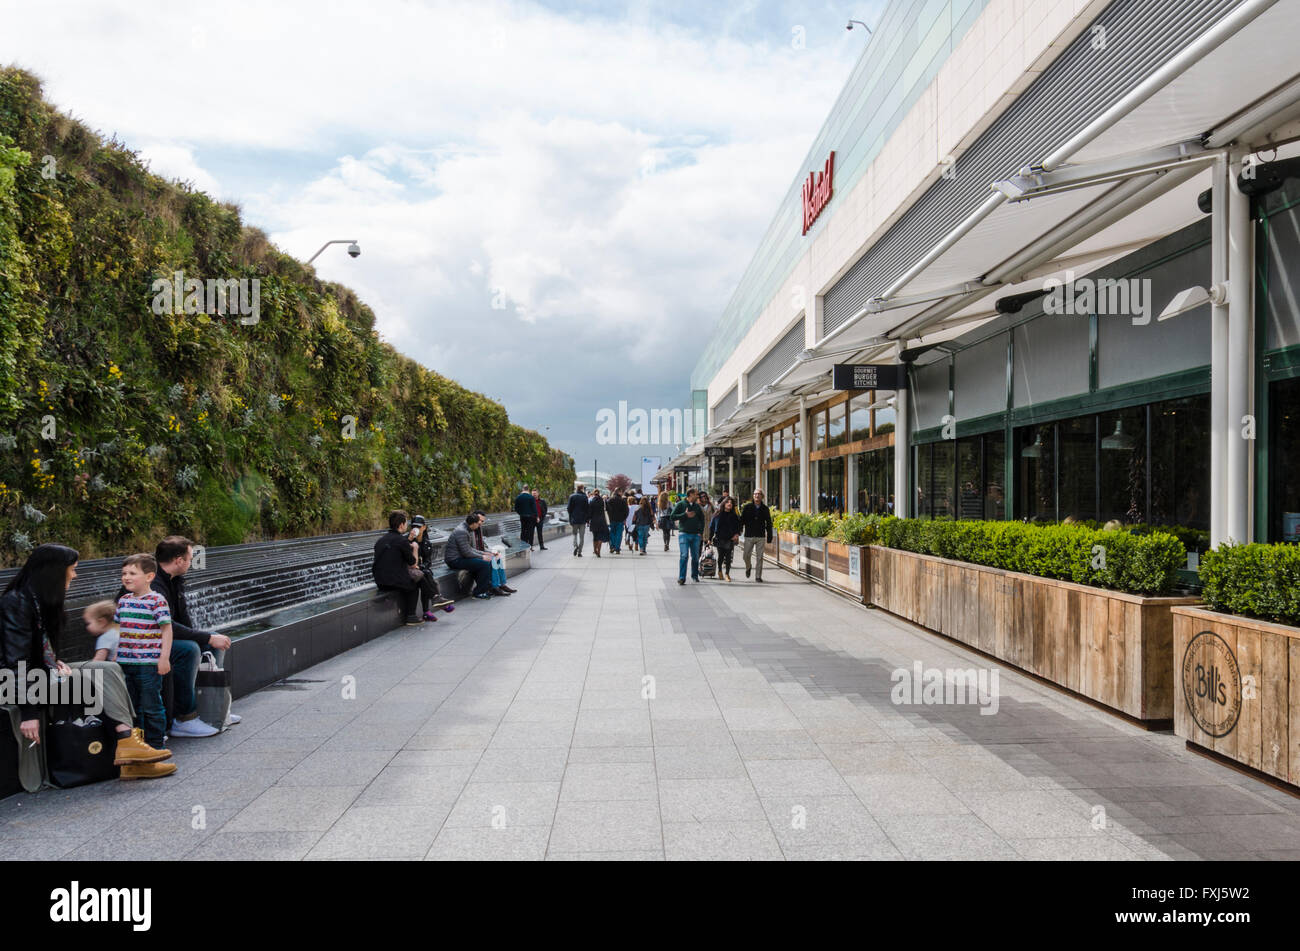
[(195, 727), (232, 719)]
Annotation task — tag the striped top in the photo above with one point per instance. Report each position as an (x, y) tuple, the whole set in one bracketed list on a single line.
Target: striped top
[(140, 618)]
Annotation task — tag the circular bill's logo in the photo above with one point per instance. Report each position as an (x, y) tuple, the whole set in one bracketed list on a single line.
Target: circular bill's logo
[(1212, 684), (95, 748)]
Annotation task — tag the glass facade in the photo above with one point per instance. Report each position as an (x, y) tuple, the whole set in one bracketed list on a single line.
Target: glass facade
[(1284, 461), (876, 481), (831, 484)]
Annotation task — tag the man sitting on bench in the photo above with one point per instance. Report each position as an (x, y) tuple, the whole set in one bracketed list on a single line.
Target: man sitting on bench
[(461, 555)]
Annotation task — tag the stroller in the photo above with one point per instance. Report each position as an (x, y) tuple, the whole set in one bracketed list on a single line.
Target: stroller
[(709, 563)]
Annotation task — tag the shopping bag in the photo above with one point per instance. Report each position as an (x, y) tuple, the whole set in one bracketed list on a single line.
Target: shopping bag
[(212, 691), (79, 750), (708, 562)]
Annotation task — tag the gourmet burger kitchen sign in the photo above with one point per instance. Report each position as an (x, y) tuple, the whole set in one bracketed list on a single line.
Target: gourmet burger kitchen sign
[(817, 192)]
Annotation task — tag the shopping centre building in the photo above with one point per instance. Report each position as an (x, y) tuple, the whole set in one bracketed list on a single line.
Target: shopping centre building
[(1066, 233)]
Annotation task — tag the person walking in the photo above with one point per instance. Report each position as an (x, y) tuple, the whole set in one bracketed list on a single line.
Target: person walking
[(690, 524), (599, 520), (642, 520), (725, 532), (579, 513), (756, 520), (526, 509), (710, 510), (616, 509), (540, 503), (629, 523)]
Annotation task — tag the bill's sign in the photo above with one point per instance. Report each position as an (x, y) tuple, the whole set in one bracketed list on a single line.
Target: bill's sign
[(817, 192)]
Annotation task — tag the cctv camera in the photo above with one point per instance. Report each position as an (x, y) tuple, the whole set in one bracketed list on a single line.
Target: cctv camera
[(354, 249), (849, 27)]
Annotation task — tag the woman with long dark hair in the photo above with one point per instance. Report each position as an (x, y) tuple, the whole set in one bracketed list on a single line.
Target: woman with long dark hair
[(725, 532), (31, 620)]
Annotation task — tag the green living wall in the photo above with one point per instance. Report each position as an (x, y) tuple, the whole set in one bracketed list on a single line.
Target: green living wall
[(118, 424)]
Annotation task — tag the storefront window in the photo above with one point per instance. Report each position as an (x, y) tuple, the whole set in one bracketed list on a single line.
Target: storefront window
[(885, 417), (970, 476), (1077, 447), (1284, 461), (995, 500), (830, 485), (1180, 483), (860, 417), (818, 423), (1122, 462), (835, 426), (876, 481), (1036, 472)]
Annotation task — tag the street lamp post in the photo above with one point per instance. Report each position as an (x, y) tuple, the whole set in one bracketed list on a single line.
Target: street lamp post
[(859, 23), (354, 249)]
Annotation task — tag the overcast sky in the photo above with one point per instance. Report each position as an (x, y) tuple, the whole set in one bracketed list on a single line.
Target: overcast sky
[(554, 200)]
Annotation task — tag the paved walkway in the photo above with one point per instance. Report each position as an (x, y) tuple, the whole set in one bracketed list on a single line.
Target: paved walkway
[(517, 728)]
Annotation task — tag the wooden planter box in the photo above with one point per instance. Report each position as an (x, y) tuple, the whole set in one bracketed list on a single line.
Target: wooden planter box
[(811, 557), (1237, 689), (1111, 647), (787, 543), (848, 569)]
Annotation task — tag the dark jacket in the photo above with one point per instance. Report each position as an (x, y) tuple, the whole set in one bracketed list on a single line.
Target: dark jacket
[(542, 508), (393, 556), (643, 516), (525, 505), (22, 638), (689, 517), (597, 513), (579, 509), (617, 509), (757, 520), (173, 589), (725, 527), (459, 545), (426, 551)]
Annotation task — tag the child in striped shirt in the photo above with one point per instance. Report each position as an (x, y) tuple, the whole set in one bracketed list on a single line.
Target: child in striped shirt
[(144, 644)]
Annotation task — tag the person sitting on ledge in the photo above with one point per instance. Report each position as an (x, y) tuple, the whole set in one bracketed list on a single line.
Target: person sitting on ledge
[(498, 563), (31, 618), (461, 555), (395, 568), (430, 597)]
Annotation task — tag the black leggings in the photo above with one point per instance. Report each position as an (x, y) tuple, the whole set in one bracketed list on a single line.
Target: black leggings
[(725, 551)]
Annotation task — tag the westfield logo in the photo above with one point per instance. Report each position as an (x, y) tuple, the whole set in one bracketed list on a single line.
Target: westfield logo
[(817, 192)]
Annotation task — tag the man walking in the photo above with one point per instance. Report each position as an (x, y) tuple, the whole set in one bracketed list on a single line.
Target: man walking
[(579, 512), (526, 509), (690, 525), (540, 503), (756, 519)]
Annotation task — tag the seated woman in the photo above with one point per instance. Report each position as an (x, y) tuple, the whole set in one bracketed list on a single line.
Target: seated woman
[(430, 597), (31, 616)]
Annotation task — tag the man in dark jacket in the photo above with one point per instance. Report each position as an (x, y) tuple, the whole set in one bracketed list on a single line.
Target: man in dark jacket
[(579, 512), (541, 518), (394, 556), (756, 518), (526, 509), (461, 555)]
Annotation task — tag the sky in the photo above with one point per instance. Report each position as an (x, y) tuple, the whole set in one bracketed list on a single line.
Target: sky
[(554, 201)]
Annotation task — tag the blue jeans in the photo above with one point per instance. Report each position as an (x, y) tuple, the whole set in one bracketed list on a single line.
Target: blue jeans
[(688, 544), (479, 568), (498, 572), (642, 533), (144, 684), (616, 536), (185, 658)]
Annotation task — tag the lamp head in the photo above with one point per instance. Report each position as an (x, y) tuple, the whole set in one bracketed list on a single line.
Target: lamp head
[(354, 250)]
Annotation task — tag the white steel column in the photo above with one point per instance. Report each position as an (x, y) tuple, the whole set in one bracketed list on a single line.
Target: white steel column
[(805, 445), (1241, 274), (731, 474), (851, 482), (1219, 430)]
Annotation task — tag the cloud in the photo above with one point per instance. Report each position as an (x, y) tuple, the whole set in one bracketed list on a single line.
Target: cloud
[(553, 205)]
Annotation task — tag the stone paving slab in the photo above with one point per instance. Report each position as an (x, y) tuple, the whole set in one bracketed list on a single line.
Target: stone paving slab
[(604, 713)]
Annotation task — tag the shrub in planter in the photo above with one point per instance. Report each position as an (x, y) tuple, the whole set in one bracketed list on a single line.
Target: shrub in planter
[(1261, 581), (1138, 564), (856, 529)]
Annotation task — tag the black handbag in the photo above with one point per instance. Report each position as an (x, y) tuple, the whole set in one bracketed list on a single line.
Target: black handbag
[(212, 692), (79, 750)]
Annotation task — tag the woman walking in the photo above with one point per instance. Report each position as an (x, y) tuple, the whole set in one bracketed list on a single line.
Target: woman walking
[(710, 510), (725, 532), (642, 520), (629, 523), (31, 619), (616, 510), (598, 522)]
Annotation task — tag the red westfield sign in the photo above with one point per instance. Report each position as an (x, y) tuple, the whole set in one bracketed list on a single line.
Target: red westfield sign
[(817, 192)]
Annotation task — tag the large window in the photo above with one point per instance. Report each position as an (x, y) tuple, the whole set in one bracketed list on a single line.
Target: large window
[(1122, 462), (1077, 463), (876, 481), (934, 480), (835, 425), (1180, 480), (1284, 461), (860, 417), (830, 484), (995, 497), (772, 490), (1036, 472)]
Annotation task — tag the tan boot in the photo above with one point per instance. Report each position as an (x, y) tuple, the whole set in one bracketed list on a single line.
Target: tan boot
[(133, 749), (147, 770)]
